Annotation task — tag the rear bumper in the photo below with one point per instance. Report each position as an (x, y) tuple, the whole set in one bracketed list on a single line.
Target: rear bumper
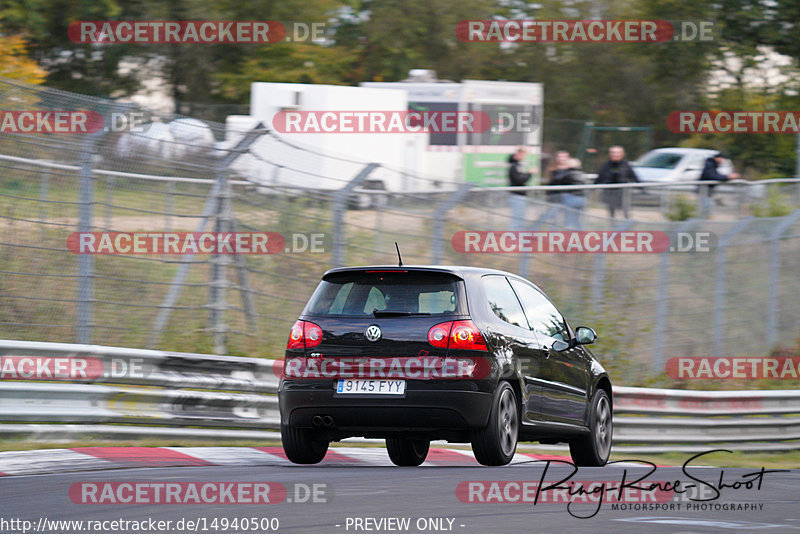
[(446, 409)]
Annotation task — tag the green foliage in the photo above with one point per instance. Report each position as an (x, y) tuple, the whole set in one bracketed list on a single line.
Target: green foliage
[(775, 205), (682, 208)]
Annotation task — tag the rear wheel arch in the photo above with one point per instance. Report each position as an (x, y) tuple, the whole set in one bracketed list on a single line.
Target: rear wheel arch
[(517, 389), (496, 443)]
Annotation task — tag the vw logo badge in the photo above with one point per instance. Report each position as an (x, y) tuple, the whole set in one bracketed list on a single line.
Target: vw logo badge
[(373, 333)]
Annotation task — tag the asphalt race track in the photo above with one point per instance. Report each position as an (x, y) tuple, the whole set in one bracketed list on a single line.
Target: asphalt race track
[(358, 491)]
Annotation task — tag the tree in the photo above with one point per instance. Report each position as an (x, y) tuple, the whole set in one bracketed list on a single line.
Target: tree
[(15, 63)]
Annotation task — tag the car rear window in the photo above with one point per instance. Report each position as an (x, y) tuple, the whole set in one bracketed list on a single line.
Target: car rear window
[(362, 293)]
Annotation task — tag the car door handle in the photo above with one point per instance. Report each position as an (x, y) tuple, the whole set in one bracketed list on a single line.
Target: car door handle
[(546, 352)]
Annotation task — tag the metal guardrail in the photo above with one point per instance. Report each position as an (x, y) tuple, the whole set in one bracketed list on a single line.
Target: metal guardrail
[(182, 395)]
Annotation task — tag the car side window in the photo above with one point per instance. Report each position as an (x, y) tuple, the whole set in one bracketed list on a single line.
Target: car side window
[(502, 300), (543, 317), (695, 162)]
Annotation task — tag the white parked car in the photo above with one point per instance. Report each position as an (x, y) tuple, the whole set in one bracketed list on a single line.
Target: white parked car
[(665, 165)]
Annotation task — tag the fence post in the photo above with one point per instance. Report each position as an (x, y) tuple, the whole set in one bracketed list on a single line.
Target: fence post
[(741, 189), (774, 276), (439, 218), (85, 261), (704, 202), (661, 302), (599, 271), (219, 263), (210, 207), (110, 182), (44, 193), (169, 205), (661, 313), (627, 194), (717, 333), (85, 312), (340, 197), (551, 212), (378, 227), (797, 193)]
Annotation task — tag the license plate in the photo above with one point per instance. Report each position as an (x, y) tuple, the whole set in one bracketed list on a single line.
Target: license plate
[(370, 387)]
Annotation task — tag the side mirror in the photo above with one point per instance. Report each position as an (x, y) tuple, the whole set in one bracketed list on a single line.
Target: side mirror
[(585, 335), (559, 345)]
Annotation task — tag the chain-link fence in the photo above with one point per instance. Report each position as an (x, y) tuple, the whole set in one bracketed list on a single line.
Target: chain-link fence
[(589, 142), (740, 298)]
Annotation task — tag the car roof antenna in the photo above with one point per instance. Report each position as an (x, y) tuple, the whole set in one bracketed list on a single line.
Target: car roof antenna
[(399, 258)]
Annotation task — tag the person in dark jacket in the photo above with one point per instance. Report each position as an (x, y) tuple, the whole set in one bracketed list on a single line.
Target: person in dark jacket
[(516, 176), (711, 169), (615, 171), (711, 173)]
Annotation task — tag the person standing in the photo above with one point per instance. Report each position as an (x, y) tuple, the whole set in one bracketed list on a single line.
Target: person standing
[(517, 178), (615, 171), (711, 173), (566, 171)]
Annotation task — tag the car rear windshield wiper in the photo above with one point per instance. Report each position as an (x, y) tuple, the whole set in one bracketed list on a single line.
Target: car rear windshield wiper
[(386, 313)]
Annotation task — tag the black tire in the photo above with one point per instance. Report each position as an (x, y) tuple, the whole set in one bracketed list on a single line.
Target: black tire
[(407, 452), (496, 443), (594, 449), (300, 445)]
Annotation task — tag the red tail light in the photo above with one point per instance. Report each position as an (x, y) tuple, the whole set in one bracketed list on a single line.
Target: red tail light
[(304, 335), (461, 335), (439, 334)]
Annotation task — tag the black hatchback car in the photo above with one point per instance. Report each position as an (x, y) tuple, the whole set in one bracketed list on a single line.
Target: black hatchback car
[(412, 354)]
